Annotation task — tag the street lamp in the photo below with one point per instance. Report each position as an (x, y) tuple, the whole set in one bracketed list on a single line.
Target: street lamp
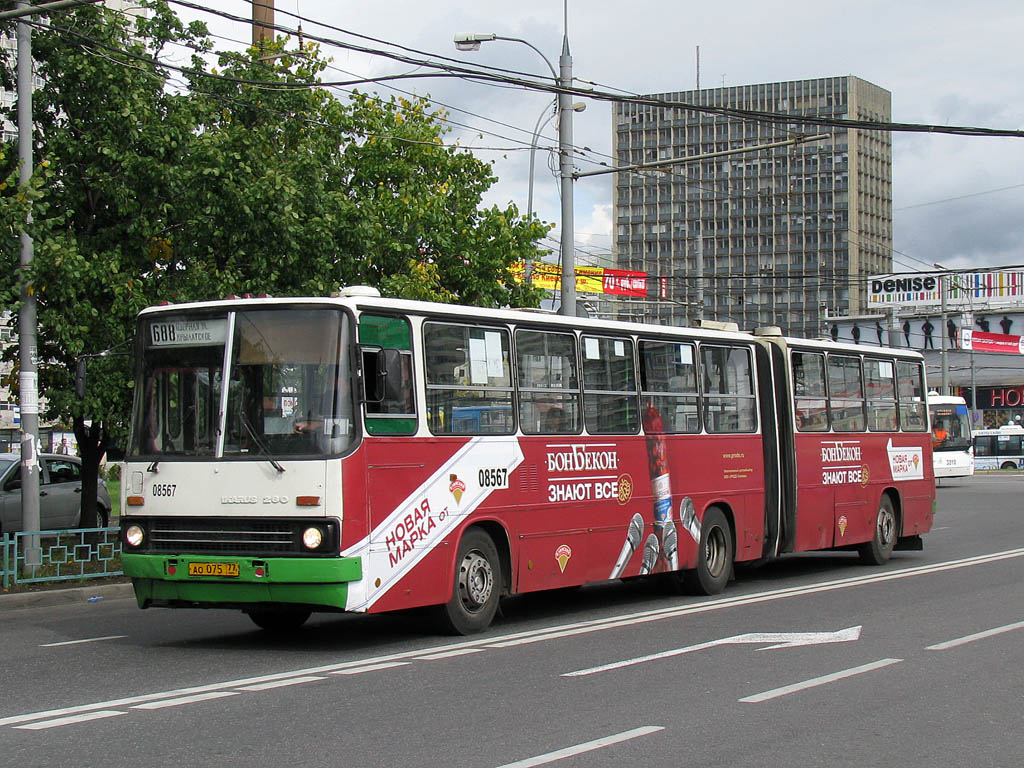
[(970, 299), (578, 106), (564, 110), (942, 329)]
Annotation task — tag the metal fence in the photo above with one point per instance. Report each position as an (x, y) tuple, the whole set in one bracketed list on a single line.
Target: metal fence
[(73, 554)]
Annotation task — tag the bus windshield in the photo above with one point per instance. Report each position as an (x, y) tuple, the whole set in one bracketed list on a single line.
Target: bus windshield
[(951, 427), (288, 390)]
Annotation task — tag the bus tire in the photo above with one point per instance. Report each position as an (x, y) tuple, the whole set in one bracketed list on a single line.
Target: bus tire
[(476, 588), (879, 549), (1008, 465), (280, 620), (714, 556)]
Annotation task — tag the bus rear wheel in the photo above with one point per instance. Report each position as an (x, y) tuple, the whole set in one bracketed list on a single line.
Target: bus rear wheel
[(879, 549), (714, 556), (1008, 465), (279, 621), (477, 586)]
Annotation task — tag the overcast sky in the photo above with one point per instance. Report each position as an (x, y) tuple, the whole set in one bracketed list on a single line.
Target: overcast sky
[(956, 200)]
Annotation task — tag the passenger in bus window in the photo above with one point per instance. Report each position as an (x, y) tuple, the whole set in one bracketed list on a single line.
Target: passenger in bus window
[(555, 422)]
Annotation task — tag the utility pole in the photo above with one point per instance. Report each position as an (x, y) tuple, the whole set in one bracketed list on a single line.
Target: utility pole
[(568, 306), (262, 22), (700, 274), (942, 335), (28, 376)]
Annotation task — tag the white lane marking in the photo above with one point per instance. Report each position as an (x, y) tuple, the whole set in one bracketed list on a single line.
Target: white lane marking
[(537, 635), (814, 682), (976, 636), (69, 720), (280, 683), (587, 746), (371, 668), (448, 654), (641, 659), (79, 642), (179, 701), (568, 630), (780, 640)]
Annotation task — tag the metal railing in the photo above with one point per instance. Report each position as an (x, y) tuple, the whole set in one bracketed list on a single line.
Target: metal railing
[(73, 554)]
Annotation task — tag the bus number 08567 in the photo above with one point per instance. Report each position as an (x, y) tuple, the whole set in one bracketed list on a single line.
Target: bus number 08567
[(493, 478)]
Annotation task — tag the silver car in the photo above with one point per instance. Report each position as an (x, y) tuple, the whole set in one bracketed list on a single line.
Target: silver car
[(60, 493)]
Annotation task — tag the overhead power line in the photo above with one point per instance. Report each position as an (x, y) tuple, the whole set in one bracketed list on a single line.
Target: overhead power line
[(496, 76)]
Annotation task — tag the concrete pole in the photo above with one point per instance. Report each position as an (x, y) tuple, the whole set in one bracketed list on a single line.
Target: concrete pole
[(942, 335), (700, 276), (28, 377), (568, 306)]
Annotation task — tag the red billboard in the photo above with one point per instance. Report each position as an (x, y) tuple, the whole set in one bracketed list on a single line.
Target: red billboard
[(980, 341)]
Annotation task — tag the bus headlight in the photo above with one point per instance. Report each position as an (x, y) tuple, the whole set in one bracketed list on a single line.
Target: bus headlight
[(134, 535), (312, 538)]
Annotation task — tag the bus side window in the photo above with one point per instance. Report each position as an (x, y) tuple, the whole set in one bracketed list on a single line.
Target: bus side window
[(668, 381), (610, 399), (469, 382), (728, 396), (846, 393), (549, 389), (809, 397), (389, 392), (910, 386), (881, 391)]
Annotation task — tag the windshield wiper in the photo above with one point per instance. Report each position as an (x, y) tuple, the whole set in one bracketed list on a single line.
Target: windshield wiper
[(259, 443)]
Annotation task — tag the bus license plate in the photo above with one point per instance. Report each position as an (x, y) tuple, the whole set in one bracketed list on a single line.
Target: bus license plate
[(213, 569)]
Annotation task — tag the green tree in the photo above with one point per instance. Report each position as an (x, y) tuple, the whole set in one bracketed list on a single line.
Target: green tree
[(163, 186), (113, 137), (300, 193)]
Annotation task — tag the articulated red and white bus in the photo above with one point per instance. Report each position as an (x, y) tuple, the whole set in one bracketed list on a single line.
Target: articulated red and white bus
[(366, 454)]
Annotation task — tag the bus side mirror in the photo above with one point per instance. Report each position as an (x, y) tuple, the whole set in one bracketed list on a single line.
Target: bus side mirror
[(375, 372)]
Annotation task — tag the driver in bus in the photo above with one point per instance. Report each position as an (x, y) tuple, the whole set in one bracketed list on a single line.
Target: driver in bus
[(939, 435)]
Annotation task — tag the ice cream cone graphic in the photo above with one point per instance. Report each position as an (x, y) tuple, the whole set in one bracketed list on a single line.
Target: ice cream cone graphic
[(562, 555), (457, 487)]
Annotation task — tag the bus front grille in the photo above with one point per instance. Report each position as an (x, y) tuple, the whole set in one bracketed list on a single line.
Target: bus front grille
[(231, 536)]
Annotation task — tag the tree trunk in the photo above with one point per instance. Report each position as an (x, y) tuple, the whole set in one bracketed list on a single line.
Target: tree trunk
[(92, 445)]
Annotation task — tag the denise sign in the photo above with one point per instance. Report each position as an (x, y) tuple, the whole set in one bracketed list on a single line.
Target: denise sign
[(977, 290), (903, 289)]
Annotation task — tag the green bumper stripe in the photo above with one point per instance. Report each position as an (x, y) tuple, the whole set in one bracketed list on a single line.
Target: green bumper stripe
[(286, 580)]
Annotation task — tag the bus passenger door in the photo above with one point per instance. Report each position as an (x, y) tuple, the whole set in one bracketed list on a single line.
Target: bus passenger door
[(815, 497)]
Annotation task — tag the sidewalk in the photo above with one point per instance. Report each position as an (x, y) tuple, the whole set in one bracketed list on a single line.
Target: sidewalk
[(64, 596)]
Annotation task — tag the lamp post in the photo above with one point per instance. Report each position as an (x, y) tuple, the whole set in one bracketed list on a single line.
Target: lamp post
[(970, 300), (942, 330), (578, 106), (564, 109), (28, 376)]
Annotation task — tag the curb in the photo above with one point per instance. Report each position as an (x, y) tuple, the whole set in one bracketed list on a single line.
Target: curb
[(48, 597)]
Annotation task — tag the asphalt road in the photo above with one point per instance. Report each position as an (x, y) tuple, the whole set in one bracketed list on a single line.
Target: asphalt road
[(814, 661)]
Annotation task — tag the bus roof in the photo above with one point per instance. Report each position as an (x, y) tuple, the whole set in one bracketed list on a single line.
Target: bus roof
[(1012, 429), (362, 303), (935, 399)]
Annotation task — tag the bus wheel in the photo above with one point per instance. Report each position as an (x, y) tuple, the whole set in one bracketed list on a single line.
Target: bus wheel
[(714, 556), (279, 621), (1008, 465), (879, 549), (477, 586)]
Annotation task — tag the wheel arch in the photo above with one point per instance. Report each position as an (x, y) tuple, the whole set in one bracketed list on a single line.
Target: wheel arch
[(730, 517), (502, 543), (897, 506)]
